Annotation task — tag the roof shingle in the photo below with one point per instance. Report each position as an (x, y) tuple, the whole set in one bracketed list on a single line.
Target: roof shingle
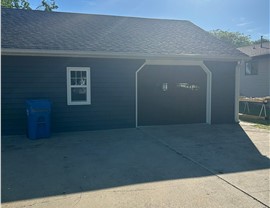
[(256, 50), (23, 29)]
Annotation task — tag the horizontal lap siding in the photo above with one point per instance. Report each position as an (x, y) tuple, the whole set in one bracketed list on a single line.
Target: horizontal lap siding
[(112, 92), (223, 91), (257, 85)]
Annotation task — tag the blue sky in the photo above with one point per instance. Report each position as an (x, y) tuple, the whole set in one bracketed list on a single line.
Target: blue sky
[(250, 17)]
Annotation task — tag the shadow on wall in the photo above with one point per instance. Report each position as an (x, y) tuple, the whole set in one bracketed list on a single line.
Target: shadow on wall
[(86, 161)]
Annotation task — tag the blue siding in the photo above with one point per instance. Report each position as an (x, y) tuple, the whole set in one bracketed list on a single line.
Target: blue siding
[(112, 92), (223, 91)]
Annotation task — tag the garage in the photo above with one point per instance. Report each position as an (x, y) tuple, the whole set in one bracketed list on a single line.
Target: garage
[(171, 95), (142, 72)]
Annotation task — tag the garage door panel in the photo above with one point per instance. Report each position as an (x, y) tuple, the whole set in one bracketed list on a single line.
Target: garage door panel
[(171, 95)]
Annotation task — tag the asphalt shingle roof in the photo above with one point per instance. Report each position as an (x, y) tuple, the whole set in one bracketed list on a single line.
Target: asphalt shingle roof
[(33, 29), (256, 50)]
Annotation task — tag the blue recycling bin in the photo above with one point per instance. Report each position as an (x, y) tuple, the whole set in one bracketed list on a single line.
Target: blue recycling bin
[(38, 118)]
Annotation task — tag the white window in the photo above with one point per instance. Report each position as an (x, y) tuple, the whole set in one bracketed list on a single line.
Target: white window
[(78, 86)]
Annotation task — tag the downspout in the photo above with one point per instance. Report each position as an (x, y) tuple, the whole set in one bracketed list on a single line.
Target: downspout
[(136, 93)]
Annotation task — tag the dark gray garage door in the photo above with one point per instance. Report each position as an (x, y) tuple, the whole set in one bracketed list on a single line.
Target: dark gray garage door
[(171, 95)]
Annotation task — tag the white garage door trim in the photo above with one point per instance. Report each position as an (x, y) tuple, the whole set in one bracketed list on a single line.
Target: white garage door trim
[(179, 63)]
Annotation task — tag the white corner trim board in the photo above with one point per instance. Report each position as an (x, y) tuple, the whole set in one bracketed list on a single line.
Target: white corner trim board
[(179, 63), (238, 68)]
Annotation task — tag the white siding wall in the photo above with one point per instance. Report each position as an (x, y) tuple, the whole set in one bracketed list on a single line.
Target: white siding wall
[(256, 85)]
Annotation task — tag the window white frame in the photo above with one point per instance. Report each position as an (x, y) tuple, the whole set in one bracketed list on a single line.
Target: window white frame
[(70, 86)]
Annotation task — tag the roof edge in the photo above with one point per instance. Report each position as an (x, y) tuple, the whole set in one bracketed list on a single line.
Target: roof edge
[(119, 55), (98, 14)]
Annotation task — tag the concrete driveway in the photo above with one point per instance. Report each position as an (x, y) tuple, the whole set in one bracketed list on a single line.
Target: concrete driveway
[(161, 166)]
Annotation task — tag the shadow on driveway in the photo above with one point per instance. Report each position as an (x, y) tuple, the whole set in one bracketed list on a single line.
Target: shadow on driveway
[(84, 161)]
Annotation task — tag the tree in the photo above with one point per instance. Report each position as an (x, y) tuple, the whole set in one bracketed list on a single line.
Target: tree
[(48, 6), (18, 4), (24, 4), (235, 38), (264, 40)]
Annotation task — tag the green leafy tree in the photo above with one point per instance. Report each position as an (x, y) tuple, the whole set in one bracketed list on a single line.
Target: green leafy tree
[(24, 4), (18, 4), (235, 38), (264, 40), (48, 6)]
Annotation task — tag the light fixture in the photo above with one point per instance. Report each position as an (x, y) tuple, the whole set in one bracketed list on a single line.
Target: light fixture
[(165, 87)]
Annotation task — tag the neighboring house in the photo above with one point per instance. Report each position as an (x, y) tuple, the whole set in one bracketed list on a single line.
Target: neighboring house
[(103, 72), (255, 79)]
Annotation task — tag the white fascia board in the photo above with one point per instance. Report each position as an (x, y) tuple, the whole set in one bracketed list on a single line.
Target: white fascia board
[(173, 62), (97, 54)]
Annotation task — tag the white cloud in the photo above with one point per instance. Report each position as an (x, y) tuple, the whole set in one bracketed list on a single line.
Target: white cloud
[(90, 2), (243, 24)]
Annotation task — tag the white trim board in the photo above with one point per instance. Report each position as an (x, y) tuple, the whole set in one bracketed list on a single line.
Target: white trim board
[(240, 66), (119, 55), (179, 63), (136, 93)]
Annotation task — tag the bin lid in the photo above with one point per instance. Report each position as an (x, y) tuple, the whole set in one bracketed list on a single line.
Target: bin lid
[(38, 103)]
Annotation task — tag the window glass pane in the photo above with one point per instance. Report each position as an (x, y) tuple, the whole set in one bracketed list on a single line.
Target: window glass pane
[(76, 81), (251, 68), (83, 81), (79, 74), (80, 82), (254, 68), (78, 78), (248, 68), (72, 74), (78, 94), (73, 81)]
